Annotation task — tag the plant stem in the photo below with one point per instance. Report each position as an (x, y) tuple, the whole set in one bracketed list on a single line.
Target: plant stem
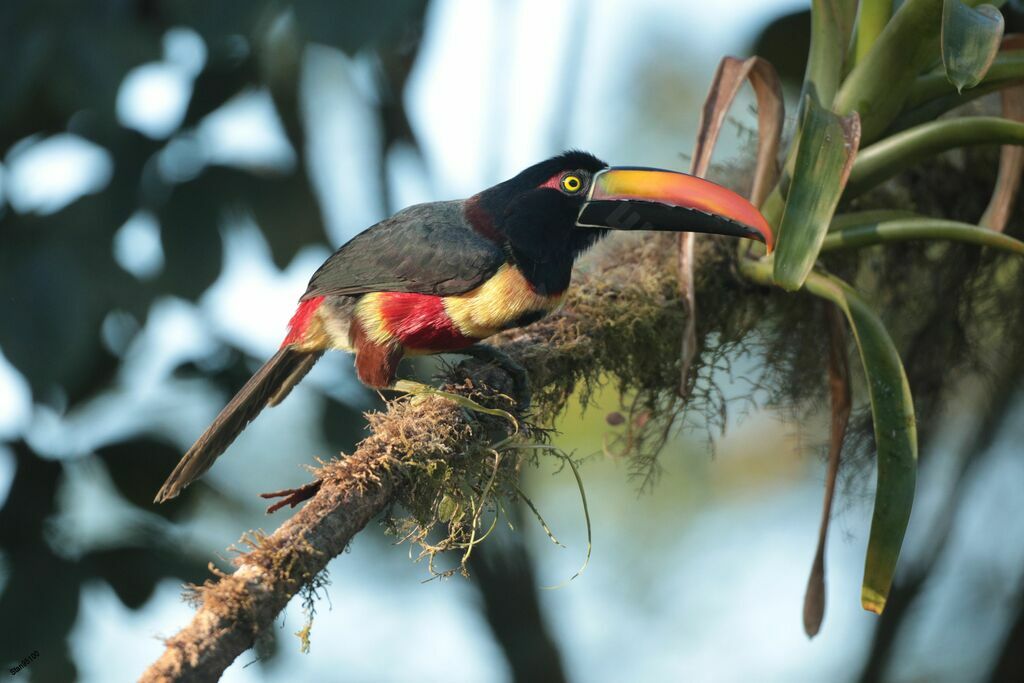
[(890, 156), (869, 234)]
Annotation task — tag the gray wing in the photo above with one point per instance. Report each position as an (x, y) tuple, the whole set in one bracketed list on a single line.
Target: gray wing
[(424, 249)]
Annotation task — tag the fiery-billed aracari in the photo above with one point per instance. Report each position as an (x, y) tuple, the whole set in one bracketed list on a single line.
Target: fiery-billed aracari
[(442, 276)]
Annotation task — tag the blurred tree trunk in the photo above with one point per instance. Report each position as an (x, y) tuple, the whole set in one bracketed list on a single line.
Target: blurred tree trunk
[(503, 573)]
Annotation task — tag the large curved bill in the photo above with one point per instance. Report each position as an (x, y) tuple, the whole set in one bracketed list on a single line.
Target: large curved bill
[(626, 198)]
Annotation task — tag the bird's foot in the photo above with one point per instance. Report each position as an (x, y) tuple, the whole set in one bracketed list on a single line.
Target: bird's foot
[(486, 353), (292, 497)]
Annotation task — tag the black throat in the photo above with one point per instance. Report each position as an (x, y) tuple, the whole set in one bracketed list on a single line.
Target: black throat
[(537, 229)]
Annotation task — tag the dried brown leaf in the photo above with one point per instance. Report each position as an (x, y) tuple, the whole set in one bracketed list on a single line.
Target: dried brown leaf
[(839, 389)]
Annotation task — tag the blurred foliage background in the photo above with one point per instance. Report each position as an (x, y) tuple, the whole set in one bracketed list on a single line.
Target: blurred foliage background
[(171, 172)]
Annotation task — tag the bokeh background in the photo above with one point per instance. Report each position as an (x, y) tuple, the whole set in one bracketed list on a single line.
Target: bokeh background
[(171, 173)]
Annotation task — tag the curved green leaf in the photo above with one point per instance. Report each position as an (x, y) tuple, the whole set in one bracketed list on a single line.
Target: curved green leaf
[(831, 27), (892, 411), (871, 233), (824, 156), (880, 82), (873, 16), (1007, 68), (885, 159), (970, 41)]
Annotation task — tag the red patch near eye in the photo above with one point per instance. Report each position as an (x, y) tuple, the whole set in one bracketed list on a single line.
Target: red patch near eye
[(554, 182)]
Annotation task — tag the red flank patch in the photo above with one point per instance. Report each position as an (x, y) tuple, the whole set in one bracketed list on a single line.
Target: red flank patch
[(300, 321)]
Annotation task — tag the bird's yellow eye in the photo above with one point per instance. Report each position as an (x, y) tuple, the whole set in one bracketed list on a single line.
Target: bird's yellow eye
[(572, 183)]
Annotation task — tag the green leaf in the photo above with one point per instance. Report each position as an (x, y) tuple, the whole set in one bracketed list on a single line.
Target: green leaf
[(885, 159), (874, 15), (831, 27), (892, 412), (880, 82), (970, 41), (1007, 68), (904, 230), (824, 156)]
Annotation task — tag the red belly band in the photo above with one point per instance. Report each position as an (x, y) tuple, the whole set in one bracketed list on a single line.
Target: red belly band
[(420, 322)]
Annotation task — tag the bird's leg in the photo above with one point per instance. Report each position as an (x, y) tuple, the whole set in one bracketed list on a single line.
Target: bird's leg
[(520, 379)]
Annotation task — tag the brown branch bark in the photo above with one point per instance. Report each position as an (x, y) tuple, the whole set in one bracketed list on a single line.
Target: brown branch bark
[(614, 303)]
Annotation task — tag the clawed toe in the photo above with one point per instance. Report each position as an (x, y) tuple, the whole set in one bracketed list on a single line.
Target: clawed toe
[(292, 497)]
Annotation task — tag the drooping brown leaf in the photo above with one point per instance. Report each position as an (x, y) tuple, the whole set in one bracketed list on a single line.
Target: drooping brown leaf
[(729, 78), (839, 389), (1011, 157)]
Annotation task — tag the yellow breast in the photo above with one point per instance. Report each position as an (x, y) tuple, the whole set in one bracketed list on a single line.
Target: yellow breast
[(498, 303)]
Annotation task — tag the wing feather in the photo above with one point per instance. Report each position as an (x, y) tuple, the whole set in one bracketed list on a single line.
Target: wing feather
[(424, 249)]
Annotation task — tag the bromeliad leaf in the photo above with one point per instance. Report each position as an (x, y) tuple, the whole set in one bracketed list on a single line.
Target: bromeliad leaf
[(880, 83), (1011, 158), (892, 412), (729, 78), (871, 19), (831, 27), (970, 41), (841, 403), (824, 156)]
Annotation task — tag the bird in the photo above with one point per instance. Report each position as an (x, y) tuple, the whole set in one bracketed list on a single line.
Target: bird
[(440, 277)]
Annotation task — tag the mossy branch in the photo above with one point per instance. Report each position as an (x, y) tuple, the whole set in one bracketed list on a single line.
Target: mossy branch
[(622, 319)]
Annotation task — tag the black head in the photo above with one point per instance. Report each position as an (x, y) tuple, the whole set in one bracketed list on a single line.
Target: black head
[(553, 211), (536, 211)]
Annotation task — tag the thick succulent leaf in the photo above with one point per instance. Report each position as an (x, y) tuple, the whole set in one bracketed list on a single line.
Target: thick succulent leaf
[(873, 232), (885, 159), (1006, 69), (932, 94), (892, 412), (824, 156), (872, 18), (970, 41), (878, 86), (831, 27)]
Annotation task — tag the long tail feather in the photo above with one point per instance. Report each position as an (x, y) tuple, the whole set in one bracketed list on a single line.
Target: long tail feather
[(279, 374), (302, 369)]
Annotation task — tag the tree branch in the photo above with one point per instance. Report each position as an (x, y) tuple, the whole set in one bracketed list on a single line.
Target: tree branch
[(625, 302)]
